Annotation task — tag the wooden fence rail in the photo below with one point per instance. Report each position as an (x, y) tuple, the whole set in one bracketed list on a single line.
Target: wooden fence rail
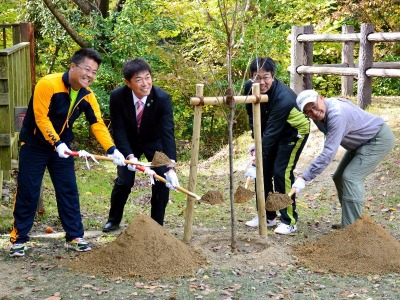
[(302, 67)]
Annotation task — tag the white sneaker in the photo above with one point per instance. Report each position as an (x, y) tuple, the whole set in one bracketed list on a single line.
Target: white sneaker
[(254, 222), (271, 223), (285, 229)]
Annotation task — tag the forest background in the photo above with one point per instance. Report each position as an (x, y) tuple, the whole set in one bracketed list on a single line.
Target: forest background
[(185, 43)]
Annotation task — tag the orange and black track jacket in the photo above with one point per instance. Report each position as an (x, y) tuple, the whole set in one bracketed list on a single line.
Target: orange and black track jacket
[(47, 123)]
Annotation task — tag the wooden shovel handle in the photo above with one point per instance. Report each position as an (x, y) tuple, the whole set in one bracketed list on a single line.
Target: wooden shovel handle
[(100, 157), (179, 188), (292, 191), (140, 166)]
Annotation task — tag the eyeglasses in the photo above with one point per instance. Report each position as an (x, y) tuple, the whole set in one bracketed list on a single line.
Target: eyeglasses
[(264, 78), (88, 70)]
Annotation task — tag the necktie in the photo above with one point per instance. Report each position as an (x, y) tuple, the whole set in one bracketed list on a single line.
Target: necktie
[(139, 113)]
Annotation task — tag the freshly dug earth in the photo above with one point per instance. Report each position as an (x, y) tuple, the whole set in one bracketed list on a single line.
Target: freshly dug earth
[(212, 197), (277, 201), (161, 159), (145, 250), (243, 195), (364, 247)]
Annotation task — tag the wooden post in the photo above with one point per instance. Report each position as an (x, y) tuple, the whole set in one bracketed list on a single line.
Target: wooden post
[(194, 158), (365, 62), (27, 35), (347, 58), (297, 59), (308, 58), (262, 217)]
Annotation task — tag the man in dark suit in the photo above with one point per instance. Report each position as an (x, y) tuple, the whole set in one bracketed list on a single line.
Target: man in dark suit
[(142, 123)]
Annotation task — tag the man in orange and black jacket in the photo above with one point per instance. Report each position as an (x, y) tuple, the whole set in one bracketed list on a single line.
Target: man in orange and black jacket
[(58, 100)]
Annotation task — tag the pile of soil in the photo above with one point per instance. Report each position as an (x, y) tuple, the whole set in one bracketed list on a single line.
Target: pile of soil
[(364, 247), (212, 197), (161, 159), (145, 251), (243, 195), (277, 201)]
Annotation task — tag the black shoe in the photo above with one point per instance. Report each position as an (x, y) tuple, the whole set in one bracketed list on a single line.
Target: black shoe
[(110, 226), (336, 226)]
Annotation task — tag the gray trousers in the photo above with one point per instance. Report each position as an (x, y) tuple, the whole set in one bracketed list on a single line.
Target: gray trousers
[(354, 167)]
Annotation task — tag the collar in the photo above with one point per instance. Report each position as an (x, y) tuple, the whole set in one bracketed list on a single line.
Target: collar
[(136, 99)]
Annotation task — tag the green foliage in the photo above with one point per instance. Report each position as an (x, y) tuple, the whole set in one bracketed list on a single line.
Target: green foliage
[(185, 43)]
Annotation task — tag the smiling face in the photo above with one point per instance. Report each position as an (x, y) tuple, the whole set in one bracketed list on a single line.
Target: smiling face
[(83, 74), (141, 84), (316, 110), (265, 79)]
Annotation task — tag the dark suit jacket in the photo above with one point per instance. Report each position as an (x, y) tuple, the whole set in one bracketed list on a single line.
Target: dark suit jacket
[(157, 125)]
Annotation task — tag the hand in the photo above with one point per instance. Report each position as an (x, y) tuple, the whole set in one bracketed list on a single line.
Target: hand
[(118, 158), (132, 167), (251, 172), (299, 184), (172, 179), (151, 173), (63, 150)]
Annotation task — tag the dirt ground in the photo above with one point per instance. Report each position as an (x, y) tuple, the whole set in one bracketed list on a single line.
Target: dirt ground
[(147, 261)]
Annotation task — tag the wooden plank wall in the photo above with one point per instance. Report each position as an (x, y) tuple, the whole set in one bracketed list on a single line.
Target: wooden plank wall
[(15, 91)]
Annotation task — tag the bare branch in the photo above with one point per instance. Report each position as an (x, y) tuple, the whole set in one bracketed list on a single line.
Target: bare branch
[(64, 23)]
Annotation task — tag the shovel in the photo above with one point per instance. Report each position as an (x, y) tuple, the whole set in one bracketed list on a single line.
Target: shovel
[(277, 201), (141, 167), (137, 163)]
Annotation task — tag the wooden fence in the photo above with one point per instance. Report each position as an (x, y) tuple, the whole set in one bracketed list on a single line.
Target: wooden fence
[(302, 67), (16, 84)]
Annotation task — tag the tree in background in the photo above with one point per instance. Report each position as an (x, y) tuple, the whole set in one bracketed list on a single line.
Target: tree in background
[(184, 41)]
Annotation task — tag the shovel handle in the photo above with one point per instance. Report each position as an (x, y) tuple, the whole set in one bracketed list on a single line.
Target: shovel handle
[(100, 157), (247, 182), (140, 167), (179, 188), (292, 191)]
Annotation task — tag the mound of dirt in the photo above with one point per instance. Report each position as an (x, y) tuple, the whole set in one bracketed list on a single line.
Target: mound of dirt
[(364, 247), (145, 250), (243, 195), (277, 201), (212, 197)]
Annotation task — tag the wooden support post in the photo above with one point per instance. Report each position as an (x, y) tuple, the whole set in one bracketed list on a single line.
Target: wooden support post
[(348, 59), (308, 58), (365, 62), (194, 158), (297, 59), (262, 216), (27, 35)]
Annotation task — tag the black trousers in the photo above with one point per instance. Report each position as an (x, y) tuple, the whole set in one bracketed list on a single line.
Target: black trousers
[(278, 167), (122, 188)]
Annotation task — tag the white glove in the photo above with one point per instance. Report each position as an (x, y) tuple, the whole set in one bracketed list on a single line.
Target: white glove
[(86, 155), (299, 184), (172, 179), (132, 167), (63, 150), (251, 172), (118, 158), (149, 172)]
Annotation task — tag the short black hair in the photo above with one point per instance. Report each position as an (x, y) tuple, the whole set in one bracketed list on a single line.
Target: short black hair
[(135, 66), (83, 53), (263, 63)]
